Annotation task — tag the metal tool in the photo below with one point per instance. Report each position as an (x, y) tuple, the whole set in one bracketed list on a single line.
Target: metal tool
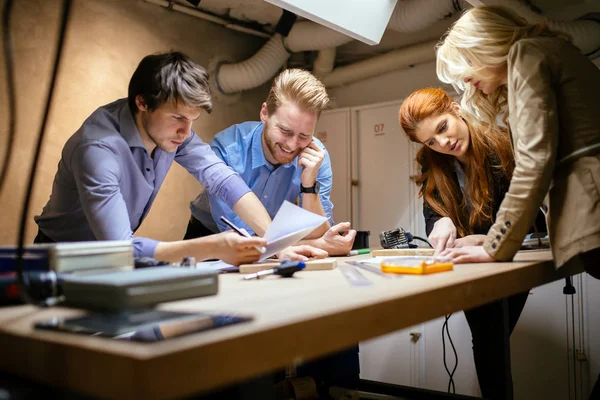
[(286, 269), (371, 269), (353, 275)]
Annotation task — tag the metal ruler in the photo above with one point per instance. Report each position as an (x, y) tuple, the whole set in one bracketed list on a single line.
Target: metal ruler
[(372, 269), (354, 276)]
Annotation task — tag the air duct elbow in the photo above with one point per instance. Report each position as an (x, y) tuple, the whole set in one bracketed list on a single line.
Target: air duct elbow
[(255, 71)]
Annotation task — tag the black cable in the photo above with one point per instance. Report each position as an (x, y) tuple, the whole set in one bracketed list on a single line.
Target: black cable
[(451, 384), (423, 240), (455, 354), (10, 85), (23, 227)]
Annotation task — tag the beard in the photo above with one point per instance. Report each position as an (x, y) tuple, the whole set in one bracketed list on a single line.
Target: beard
[(275, 150)]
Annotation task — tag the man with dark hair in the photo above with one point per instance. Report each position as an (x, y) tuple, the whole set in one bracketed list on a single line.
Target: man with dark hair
[(112, 168)]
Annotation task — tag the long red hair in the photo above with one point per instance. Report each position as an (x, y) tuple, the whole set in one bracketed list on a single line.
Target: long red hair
[(437, 181)]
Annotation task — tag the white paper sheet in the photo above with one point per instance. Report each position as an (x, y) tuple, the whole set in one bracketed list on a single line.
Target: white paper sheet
[(291, 224)]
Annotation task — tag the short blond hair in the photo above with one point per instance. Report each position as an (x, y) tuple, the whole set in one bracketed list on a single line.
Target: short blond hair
[(299, 87)]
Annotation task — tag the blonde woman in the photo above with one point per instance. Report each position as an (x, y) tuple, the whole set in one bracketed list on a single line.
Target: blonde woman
[(548, 89)]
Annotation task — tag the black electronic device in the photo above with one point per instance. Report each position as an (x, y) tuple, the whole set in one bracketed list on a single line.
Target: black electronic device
[(394, 239)]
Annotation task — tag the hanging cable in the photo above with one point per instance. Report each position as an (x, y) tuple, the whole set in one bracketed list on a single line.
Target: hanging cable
[(10, 90), (422, 240), (23, 226), (451, 385)]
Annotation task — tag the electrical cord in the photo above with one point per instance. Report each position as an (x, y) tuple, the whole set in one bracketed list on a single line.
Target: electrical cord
[(10, 86), (451, 385), (423, 240), (25, 293)]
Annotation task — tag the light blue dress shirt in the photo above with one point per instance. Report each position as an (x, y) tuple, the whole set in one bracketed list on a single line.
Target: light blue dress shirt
[(106, 180), (240, 146)]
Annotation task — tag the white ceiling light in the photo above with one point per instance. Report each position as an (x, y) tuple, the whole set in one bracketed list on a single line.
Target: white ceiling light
[(363, 20)]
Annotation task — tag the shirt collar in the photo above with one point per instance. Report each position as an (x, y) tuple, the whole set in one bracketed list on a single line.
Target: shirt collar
[(258, 155), (128, 129)]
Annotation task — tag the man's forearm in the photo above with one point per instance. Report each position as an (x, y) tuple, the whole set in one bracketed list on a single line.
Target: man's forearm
[(253, 213), (199, 248), (312, 202)]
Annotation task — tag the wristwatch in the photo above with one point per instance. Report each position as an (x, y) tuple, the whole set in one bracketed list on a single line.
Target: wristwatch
[(311, 189)]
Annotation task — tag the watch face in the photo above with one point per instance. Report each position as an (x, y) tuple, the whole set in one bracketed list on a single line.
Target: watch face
[(317, 187)]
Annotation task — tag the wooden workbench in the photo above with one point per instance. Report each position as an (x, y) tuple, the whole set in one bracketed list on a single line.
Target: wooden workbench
[(313, 314)]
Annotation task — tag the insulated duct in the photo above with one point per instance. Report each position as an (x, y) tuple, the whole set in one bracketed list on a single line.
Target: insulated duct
[(409, 15), (415, 15), (324, 62), (307, 35), (253, 72), (393, 60), (585, 32)]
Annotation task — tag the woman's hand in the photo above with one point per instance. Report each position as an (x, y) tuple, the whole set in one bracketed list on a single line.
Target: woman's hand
[(468, 254), (443, 234), (471, 240)]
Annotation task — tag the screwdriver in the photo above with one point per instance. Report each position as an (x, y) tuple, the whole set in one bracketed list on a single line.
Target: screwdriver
[(286, 269)]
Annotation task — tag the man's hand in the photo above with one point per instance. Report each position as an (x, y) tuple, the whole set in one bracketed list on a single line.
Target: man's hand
[(468, 254), (443, 234), (235, 249), (301, 253), (336, 244), (471, 240), (310, 159)]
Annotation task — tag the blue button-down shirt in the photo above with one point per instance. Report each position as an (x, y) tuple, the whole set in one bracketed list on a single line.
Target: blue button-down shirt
[(240, 146), (106, 180)]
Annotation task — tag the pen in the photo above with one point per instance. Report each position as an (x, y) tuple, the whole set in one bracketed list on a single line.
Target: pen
[(242, 232), (357, 252)]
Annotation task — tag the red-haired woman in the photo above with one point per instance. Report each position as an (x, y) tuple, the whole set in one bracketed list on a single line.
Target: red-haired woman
[(465, 172)]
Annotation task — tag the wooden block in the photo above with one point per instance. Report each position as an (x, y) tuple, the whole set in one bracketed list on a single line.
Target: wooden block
[(312, 265), (402, 252)]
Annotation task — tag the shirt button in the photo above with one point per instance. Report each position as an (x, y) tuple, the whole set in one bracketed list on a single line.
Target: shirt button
[(507, 223), (265, 196), (503, 230), (494, 245), (148, 169), (498, 237)]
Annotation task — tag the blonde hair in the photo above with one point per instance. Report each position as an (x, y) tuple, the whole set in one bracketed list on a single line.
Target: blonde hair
[(299, 87), (482, 38)]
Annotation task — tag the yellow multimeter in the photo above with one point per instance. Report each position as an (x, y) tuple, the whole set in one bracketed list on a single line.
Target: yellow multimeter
[(416, 265)]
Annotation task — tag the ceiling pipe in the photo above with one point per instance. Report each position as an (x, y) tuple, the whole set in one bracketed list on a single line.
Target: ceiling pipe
[(584, 32), (258, 69), (416, 15), (393, 60), (253, 72), (307, 35), (170, 5), (324, 62)]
